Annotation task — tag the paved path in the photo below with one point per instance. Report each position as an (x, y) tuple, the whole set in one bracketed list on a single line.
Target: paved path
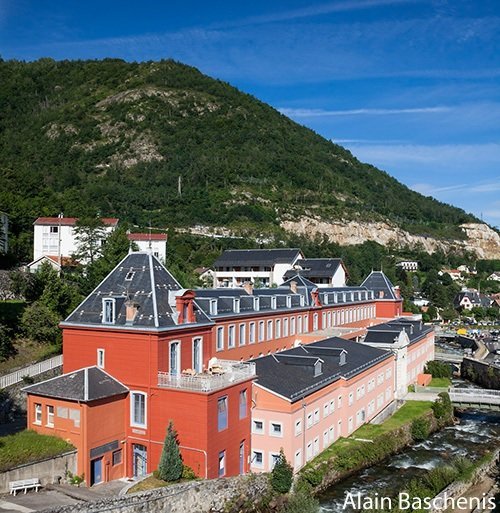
[(421, 396)]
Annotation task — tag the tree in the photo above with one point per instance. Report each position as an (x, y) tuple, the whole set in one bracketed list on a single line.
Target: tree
[(89, 234), (170, 466), (282, 474), (41, 324), (6, 345)]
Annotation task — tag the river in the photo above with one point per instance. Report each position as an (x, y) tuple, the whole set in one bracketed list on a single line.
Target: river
[(476, 433)]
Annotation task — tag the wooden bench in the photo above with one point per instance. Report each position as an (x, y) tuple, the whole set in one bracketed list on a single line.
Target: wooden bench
[(24, 485)]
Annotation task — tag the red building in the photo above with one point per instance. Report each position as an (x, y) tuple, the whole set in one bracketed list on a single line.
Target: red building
[(158, 352)]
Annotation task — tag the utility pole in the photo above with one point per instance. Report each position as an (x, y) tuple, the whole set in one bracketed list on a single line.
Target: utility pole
[(59, 257)]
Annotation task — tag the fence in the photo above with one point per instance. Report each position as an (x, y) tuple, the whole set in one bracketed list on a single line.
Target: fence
[(32, 370)]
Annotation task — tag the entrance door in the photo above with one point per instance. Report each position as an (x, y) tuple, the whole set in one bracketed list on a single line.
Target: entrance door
[(140, 460), (96, 471)]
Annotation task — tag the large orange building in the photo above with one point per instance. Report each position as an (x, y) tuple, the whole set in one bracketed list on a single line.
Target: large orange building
[(179, 355)]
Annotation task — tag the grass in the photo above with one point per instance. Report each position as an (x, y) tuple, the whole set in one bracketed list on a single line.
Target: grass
[(409, 411), (150, 483), (28, 447), (27, 352), (440, 382)]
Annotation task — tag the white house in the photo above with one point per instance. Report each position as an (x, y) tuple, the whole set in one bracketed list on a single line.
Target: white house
[(55, 237), (408, 265), (4, 232), (267, 266), (494, 276), (154, 242), (323, 272)]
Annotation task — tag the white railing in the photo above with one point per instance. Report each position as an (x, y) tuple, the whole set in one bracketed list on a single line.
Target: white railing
[(226, 373), (32, 370), (475, 396)]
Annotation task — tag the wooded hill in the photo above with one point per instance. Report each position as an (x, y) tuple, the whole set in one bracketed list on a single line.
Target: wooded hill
[(161, 143)]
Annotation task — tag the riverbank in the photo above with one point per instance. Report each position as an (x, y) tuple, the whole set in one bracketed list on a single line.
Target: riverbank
[(371, 444)]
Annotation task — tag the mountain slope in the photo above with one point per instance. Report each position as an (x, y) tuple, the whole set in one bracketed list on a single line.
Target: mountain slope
[(160, 142)]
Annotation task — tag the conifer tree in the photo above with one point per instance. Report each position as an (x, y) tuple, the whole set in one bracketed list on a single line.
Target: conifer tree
[(170, 466), (282, 474)]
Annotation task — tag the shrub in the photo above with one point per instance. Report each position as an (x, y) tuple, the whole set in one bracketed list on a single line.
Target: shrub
[(438, 369), (170, 467), (442, 407), (282, 474), (301, 502), (420, 429), (188, 473)]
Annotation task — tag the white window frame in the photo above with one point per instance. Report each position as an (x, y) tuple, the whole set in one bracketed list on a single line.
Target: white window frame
[(256, 304), (231, 339), (273, 302), (38, 414), (316, 415), (285, 327), (236, 305), (326, 410), (253, 461), (260, 431), (273, 459), (272, 431), (200, 340), (298, 459), (219, 338), (292, 326), (262, 331), (50, 415), (101, 353), (309, 420), (176, 343), (112, 302), (298, 427), (242, 334), (269, 329), (213, 307), (133, 423), (277, 328), (251, 333)]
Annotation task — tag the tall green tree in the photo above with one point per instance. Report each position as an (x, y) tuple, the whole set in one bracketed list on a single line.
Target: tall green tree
[(89, 234), (282, 474), (170, 466)]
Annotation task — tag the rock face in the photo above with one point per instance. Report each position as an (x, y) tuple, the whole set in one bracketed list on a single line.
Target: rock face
[(481, 239)]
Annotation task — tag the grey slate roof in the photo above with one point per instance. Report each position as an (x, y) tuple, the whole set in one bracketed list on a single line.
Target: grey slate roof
[(84, 385), (284, 376), (257, 257), (380, 284), (474, 297), (315, 268), (388, 332), (142, 278)]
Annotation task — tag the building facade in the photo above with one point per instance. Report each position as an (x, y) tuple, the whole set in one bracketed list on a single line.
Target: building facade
[(55, 236), (323, 272), (171, 354), (154, 242)]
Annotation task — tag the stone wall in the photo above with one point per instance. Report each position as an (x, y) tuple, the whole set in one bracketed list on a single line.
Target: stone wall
[(224, 495), (458, 488), (481, 373), (46, 470)]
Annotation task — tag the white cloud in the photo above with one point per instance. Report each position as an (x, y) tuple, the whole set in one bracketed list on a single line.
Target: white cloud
[(314, 113)]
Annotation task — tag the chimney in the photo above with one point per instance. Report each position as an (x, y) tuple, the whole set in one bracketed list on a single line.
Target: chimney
[(293, 287), (248, 286), (184, 304), (131, 310), (315, 297)]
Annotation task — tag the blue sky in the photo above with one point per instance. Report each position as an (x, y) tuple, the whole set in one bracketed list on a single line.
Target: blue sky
[(411, 86)]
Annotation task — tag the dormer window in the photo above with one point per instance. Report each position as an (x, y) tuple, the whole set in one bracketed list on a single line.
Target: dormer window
[(318, 368), (302, 301), (325, 299), (289, 301), (108, 310), (129, 276), (256, 304), (213, 307), (273, 302), (236, 305)]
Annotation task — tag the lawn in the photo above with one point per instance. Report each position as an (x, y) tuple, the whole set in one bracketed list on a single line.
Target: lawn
[(409, 411), (150, 483), (27, 447), (440, 382)]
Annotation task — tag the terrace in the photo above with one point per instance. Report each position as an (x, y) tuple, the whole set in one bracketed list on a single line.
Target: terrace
[(221, 374)]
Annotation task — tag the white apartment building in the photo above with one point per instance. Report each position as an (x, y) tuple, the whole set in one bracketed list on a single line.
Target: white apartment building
[(154, 242), (55, 239), (266, 266)]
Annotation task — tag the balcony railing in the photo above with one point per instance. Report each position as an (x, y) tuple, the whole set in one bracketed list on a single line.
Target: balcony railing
[(224, 373)]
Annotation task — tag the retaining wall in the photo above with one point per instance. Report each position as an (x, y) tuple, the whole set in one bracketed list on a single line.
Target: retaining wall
[(481, 373), (45, 470), (236, 494)]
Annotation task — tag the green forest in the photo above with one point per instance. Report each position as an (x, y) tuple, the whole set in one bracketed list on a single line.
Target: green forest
[(160, 143)]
